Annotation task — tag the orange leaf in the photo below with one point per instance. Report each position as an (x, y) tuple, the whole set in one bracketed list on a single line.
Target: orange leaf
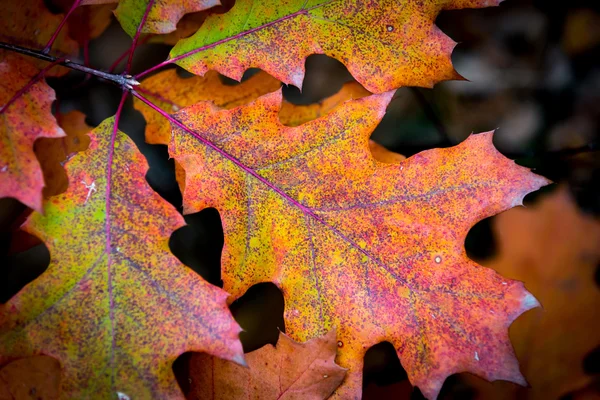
[(115, 307), (30, 378), (163, 15), (52, 153), (28, 23), (24, 120), (288, 371), (171, 92), (376, 250), (294, 115), (554, 249), (89, 20), (383, 44)]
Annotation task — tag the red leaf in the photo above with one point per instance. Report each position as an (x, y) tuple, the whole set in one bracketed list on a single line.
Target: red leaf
[(25, 119)]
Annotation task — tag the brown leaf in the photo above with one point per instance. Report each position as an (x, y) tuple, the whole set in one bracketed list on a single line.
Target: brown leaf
[(52, 153), (554, 249), (34, 378), (291, 370)]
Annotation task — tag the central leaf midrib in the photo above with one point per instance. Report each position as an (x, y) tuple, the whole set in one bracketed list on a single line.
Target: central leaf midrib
[(302, 11)]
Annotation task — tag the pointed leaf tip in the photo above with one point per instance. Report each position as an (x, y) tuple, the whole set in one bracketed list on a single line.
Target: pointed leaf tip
[(123, 276), (314, 212)]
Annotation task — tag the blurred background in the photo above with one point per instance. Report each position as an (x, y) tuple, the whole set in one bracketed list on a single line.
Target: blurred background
[(533, 73)]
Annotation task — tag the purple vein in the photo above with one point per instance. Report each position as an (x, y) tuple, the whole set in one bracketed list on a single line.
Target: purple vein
[(302, 11), (29, 84), (157, 96), (60, 26), (137, 36), (108, 248), (250, 171)]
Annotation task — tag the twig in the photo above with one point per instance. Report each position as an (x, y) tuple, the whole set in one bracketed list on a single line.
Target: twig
[(124, 81)]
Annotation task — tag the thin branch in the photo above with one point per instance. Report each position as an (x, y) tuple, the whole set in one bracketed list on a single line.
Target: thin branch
[(124, 81), (137, 36), (60, 26)]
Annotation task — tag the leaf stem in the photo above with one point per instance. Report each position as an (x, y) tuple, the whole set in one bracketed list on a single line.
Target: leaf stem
[(107, 232), (60, 26), (29, 84), (124, 81), (137, 36), (304, 209), (218, 42)]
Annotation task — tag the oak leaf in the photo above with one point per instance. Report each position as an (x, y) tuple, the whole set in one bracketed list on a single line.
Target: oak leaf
[(52, 153), (162, 17), (115, 307), (89, 20), (290, 370), (32, 378), (383, 44), (29, 23), (294, 115), (171, 92), (376, 250), (26, 119), (553, 248)]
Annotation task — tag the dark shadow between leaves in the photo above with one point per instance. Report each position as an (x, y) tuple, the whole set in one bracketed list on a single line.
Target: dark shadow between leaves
[(260, 314), (20, 268), (199, 244), (480, 242), (385, 378)]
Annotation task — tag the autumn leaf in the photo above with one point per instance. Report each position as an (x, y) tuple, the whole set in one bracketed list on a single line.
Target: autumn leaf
[(553, 248), (383, 44), (52, 153), (29, 23), (25, 119), (32, 378), (294, 115), (115, 307), (288, 371), (89, 20), (171, 92), (163, 16), (376, 250)]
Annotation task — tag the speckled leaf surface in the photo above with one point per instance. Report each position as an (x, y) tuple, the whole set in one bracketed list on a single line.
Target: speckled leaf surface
[(29, 23), (294, 114), (163, 15), (53, 152), (171, 93), (115, 307), (290, 370), (375, 250), (25, 120), (383, 43)]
